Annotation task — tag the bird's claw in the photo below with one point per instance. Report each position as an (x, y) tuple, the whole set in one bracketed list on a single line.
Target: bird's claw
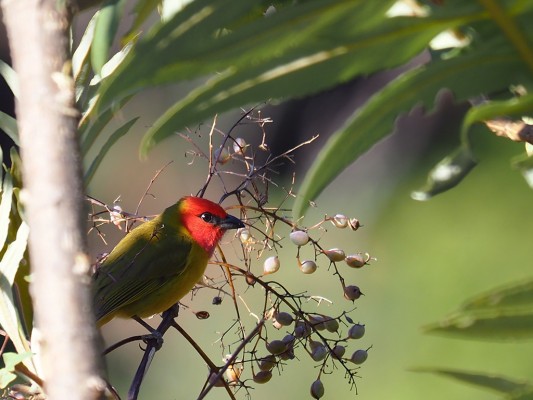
[(155, 338)]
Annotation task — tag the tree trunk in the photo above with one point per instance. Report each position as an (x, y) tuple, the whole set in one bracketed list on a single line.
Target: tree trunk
[(38, 32)]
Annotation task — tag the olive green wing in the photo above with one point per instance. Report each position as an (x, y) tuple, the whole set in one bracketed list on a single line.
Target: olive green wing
[(139, 265)]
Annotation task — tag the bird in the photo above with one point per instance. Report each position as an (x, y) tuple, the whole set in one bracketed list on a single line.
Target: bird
[(160, 261)]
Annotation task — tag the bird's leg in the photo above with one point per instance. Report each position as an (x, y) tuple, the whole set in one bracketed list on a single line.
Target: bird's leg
[(154, 334)]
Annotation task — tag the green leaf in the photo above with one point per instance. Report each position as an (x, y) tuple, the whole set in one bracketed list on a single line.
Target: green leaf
[(9, 318), (81, 58), (447, 173), (104, 33), (143, 9), (521, 395), (499, 384), (10, 77), (9, 125), (6, 377), (376, 118), (5, 208), (513, 296), (504, 324), (10, 361), (105, 148), (525, 165)]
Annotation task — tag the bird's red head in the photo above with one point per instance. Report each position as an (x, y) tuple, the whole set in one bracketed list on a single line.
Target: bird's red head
[(206, 221)]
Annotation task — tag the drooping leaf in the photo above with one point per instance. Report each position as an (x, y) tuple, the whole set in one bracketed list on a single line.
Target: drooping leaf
[(494, 325), (10, 76), (513, 296), (9, 318), (143, 9), (499, 384), (9, 125), (105, 148), (81, 58), (447, 173)]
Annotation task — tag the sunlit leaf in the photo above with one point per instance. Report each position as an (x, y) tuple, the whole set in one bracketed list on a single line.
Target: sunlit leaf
[(10, 76), (106, 27), (9, 319), (9, 125)]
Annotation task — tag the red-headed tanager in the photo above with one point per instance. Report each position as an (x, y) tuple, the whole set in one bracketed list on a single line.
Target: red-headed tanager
[(159, 261)]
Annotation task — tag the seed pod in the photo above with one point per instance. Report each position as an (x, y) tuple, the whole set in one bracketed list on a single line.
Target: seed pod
[(308, 267), (262, 376), (299, 238), (317, 321), (338, 351), (233, 373), (244, 235), (276, 347), (359, 356), (340, 221), (352, 292), (222, 156), (335, 255), (301, 330), (354, 224), (239, 146), (284, 318), (356, 331), (267, 363), (288, 340), (317, 389), (250, 279), (355, 260), (332, 325), (319, 353), (287, 355), (271, 265)]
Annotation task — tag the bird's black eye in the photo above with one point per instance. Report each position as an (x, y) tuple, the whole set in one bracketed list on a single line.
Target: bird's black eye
[(207, 217)]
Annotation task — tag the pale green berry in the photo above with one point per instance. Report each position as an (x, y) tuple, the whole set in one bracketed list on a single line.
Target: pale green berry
[(317, 389), (308, 267), (299, 238), (359, 356), (335, 255), (271, 265)]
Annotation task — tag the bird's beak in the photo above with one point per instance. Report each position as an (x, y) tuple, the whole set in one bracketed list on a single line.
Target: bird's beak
[(231, 222)]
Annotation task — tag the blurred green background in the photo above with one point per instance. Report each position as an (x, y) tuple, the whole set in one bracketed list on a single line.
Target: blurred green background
[(430, 257)]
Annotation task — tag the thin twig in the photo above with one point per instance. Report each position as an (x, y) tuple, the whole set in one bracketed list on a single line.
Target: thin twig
[(232, 358)]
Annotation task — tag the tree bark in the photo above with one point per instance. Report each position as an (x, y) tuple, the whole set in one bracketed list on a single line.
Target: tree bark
[(38, 32)]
